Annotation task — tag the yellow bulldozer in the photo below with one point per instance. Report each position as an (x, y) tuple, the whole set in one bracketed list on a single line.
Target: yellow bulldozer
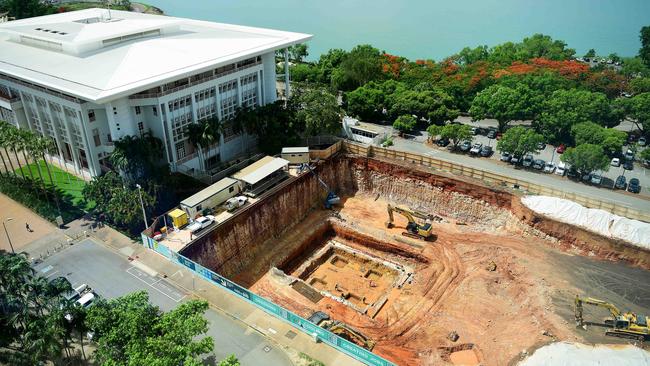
[(623, 325), (413, 228)]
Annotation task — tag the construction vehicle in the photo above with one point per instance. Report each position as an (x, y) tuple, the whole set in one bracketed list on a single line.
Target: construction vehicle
[(623, 325), (413, 229), (331, 199), (341, 329)]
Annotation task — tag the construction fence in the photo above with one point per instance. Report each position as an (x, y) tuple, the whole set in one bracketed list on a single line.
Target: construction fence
[(269, 307), (493, 178)]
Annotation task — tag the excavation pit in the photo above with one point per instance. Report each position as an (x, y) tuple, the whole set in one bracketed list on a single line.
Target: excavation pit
[(351, 276)]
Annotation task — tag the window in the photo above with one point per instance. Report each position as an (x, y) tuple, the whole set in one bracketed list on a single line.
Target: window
[(140, 127), (109, 138), (138, 110), (231, 189), (180, 150), (114, 110), (199, 208), (98, 141), (155, 111), (91, 115)]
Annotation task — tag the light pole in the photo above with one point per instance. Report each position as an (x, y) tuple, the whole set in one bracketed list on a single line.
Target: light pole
[(7, 233), (144, 214)]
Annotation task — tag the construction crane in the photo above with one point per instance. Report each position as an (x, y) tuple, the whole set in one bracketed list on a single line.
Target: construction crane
[(413, 229), (331, 199), (623, 325)]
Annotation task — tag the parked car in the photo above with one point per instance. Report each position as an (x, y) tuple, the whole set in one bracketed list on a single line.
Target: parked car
[(561, 169), (628, 165), (505, 156), (515, 160), (234, 203), (573, 173), (634, 186), (528, 161), (465, 146), (596, 179), (620, 182), (443, 142), (538, 164), (541, 146), (642, 141), (549, 167), (560, 149), (586, 178), (474, 130), (476, 149), (201, 223), (629, 155), (486, 151), (615, 162), (492, 134), (86, 300)]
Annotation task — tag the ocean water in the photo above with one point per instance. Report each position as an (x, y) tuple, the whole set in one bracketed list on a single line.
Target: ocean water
[(433, 29)]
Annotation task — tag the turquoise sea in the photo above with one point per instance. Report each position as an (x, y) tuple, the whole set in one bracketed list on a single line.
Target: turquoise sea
[(433, 29)]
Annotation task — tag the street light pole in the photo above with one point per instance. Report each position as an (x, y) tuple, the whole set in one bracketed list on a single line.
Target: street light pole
[(7, 233), (144, 214)]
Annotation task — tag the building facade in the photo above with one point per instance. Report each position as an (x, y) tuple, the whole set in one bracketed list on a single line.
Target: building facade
[(88, 78)]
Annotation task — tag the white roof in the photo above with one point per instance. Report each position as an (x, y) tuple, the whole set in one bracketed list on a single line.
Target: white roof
[(93, 64), (261, 169), (295, 150), (203, 195)]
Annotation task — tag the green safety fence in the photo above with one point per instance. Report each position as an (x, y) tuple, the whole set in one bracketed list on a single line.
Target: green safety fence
[(276, 310)]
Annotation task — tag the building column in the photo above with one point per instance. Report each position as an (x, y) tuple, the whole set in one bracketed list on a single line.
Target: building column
[(260, 96), (91, 153), (287, 87)]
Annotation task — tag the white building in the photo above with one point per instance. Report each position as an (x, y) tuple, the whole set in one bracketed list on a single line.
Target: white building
[(90, 77)]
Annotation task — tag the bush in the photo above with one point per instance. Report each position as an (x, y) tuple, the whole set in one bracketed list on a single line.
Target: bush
[(405, 123)]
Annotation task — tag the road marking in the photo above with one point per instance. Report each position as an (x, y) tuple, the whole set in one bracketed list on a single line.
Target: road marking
[(178, 273), (141, 276), (51, 274), (47, 268), (273, 331)]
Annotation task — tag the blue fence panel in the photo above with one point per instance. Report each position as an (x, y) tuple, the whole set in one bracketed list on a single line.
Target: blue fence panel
[(306, 326)]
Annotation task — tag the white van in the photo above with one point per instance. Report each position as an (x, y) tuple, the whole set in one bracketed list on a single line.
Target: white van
[(561, 169)]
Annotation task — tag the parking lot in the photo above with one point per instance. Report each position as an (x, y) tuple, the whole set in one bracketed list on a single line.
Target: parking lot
[(111, 275)]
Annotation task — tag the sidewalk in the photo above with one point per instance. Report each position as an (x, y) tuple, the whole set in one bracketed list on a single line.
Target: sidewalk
[(273, 328)]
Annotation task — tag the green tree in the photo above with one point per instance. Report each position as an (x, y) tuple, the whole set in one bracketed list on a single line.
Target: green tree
[(644, 155), (229, 361), (638, 109), (405, 123), (456, 133), (304, 72), (614, 57), (22, 9), (319, 111), (591, 53), (298, 52), (137, 158), (644, 51), (586, 158), (471, 55), (566, 108), (609, 139), (329, 62), (540, 45), (519, 141), (504, 104), (434, 105), (640, 85), (130, 330), (275, 124), (633, 67), (361, 65)]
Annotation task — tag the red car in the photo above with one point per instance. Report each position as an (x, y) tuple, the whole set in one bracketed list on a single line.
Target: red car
[(560, 149)]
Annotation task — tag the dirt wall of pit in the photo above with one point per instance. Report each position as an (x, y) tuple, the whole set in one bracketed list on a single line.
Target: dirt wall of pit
[(251, 238), (587, 242), (232, 246)]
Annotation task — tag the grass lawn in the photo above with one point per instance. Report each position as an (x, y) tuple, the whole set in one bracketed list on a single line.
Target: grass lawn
[(69, 184)]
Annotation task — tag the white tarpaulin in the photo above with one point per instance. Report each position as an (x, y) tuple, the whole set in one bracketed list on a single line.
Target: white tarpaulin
[(570, 354), (598, 221)]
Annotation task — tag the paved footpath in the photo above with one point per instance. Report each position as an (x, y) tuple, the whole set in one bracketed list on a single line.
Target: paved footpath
[(51, 241)]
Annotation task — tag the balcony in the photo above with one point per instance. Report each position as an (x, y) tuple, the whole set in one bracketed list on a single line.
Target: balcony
[(11, 103)]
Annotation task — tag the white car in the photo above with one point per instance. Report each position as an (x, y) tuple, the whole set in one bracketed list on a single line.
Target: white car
[(201, 223), (615, 162), (549, 167), (476, 148), (236, 202), (642, 141), (84, 301), (560, 169)]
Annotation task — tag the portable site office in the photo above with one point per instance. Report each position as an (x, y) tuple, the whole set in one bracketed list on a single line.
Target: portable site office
[(211, 197), (295, 155)]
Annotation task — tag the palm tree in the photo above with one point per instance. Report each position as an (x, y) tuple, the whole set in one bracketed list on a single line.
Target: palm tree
[(195, 136), (42, 145), (24, 139), (3, 125), (13, 142), (213, 129)]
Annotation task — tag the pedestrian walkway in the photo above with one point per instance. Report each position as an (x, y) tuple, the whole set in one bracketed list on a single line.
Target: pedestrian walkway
[(15, 218)]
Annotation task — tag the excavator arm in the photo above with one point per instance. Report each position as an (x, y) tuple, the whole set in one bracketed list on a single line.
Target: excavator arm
[(579, 301)]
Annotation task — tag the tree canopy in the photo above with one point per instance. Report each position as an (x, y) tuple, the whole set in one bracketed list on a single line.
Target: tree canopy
[(609, 139), (586, 158), (644, 51), (405, 123), (129, 330), (503, 103), (319, 111), (361, 65), (519, 141)]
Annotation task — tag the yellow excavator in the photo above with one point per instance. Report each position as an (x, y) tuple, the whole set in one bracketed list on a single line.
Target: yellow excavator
[(623, 325), (413, 229)]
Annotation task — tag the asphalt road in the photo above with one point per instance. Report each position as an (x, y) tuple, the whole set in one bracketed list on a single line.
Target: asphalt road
[(628, 199), (111, 276)]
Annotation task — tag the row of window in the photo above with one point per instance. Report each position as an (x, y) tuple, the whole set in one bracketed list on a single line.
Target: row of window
[(179, 124), (228, 107), (227, 86), (207, 111), (249, 98), (250, 78), (204, 94), (182, 102)]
